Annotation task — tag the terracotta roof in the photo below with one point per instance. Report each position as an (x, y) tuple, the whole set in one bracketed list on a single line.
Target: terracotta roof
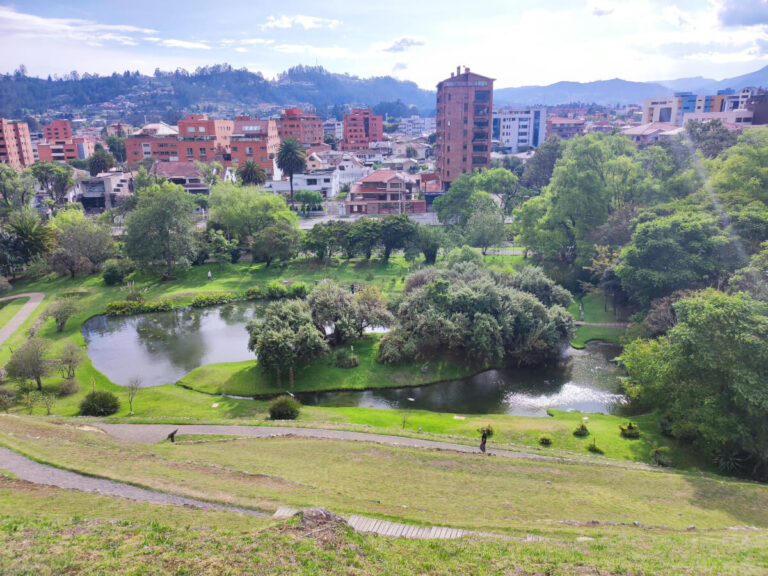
[(385, 176), (648, 129), (175, 170)]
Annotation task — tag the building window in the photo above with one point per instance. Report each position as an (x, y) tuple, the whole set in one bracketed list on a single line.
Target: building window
[(203, 152), (190, 128), (201, 129), (189, 152), (249, 150)]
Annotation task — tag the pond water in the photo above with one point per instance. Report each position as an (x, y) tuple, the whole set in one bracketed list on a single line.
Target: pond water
[(585, 380), (163, 347)]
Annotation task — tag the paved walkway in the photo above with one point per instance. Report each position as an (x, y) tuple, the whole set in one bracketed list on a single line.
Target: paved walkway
[(37, 473), (21, 316)]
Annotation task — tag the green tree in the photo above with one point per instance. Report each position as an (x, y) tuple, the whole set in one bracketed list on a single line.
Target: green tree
[(30, 361), (365, 236), (710, 138), (291, 159), (308, 198), (16, 190), (82, 244), (427, 240), (61, 311), (461, 199), (410, 152), (116, 146), (285, 338), (251, 174), (100, 161), (396, 232), (55, 178), (707, 378), (160, 230), (680, 251), (485, 228), (32, 235), (501, 183), (538, 170), (279, 240), (242, 211)]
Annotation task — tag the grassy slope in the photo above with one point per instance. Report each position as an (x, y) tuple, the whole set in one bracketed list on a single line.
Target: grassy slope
[(47, 531), (594, 311), (9, 308), (515, 497), (245, 378)]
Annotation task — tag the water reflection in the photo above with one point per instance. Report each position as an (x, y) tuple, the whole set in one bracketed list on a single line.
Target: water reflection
[(162, 347), (584, 380)]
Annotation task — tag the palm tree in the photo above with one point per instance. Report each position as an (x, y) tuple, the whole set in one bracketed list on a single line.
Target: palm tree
[(291, 159), (251, 174)]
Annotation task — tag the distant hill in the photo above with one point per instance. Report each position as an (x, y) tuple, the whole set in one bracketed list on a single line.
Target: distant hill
[(688, 84), (606, 92), (210, 89)]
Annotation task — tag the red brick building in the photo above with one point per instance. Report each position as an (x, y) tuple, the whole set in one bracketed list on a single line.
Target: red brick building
[(196, 138), (464, 125), (361, 127), (565, 128), (304, 127), (155, 140), (65, 150), (256, 140), (15, 145), (58, 131), (386, 192)]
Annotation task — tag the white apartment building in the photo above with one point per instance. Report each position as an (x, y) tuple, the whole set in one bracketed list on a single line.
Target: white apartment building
[(515, 129), (334, 128), (417, 126)]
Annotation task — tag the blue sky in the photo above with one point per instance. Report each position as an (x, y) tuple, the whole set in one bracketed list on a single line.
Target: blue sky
[(516, 42)]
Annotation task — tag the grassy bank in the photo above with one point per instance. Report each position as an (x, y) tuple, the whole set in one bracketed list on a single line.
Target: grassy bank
[(595, 311), (9, 308), (246, 379), (47, 531)]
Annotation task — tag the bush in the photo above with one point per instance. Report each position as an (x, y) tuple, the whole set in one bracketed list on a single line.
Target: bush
[(545, 441), (211, 299), (254, 293), (126, 307), (581, 431), (114, 272), (69, 387), (298, 290), (284, 408), (345, 359), (99, 403), (276, 290), (629, 430), (594, 448), (7, 399)]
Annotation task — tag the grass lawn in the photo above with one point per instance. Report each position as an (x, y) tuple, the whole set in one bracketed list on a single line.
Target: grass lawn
[(493, 494), (47, 531), (9, 308), (595, 312), (246, 379)]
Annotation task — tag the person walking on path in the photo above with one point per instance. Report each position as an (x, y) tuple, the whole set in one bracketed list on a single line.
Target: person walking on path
[(483, 440), (210, 276)]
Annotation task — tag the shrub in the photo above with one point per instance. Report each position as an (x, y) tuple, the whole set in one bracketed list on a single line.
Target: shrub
[(7, 399), (4, 284), (594, 448), (99, 403), (581, 431), (545, 441), (69, 387), (345, 359), (211, 299), (126, 307), (276, 290), (114, 273), (298, 290), (284, 408), (254, 293), (629, 430)]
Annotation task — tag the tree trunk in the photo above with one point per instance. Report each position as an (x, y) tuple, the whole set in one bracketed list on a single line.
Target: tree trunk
[(39, 384), (290, 377), (290, 179)]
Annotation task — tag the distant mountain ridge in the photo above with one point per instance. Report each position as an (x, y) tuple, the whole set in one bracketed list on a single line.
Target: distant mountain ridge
[(222, 90)]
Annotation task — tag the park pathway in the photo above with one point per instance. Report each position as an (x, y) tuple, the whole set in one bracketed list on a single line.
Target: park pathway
[(21, 316)]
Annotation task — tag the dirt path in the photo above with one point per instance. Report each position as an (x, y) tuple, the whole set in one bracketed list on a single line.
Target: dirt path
[(21, 316), (37, 473)]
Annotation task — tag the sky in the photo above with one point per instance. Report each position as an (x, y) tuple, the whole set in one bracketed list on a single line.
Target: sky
[(518, 42)]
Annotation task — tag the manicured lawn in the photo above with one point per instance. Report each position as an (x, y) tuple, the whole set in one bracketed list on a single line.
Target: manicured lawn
[(47, 531), (246, 379), (595, 312), (585, 334), (9, 308), (492, 494)]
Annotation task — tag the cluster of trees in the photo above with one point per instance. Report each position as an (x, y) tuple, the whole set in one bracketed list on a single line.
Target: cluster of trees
[(484, 316), (293, 332)]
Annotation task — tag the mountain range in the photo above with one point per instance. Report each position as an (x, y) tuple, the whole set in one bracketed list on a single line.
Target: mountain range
[(224, 91)]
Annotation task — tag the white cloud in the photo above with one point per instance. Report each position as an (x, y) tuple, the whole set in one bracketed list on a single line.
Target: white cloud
[(20, 24), (601, 7), (306, 22), (241, 49), (401, 44), (171, 43)]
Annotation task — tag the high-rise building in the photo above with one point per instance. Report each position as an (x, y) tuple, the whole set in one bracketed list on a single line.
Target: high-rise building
[(673, 109), (15, 145), (463, 125), (255, 140), (297, 124), (58, 131), (361, 127), (515, 129)]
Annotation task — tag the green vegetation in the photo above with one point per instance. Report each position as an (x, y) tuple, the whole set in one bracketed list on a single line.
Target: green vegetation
[(9, 308)]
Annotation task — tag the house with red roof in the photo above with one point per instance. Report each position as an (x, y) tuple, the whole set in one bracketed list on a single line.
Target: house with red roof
[(386, 192)]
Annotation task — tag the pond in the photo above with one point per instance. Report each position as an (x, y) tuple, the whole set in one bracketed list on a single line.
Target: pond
[(586, 380), (163, 347)]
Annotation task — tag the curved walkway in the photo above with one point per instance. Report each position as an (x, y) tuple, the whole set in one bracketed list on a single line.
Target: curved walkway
[(37, 473), (153, 433), (21, 316)]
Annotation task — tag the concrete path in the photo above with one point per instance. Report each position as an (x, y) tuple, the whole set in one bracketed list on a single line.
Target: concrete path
[(37, 473), (21, 316)]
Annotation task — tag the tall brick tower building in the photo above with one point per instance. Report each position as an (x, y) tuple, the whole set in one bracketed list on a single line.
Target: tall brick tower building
[(464, 124)]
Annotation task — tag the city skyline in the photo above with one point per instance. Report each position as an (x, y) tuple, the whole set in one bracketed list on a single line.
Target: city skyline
[(641, 40)]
